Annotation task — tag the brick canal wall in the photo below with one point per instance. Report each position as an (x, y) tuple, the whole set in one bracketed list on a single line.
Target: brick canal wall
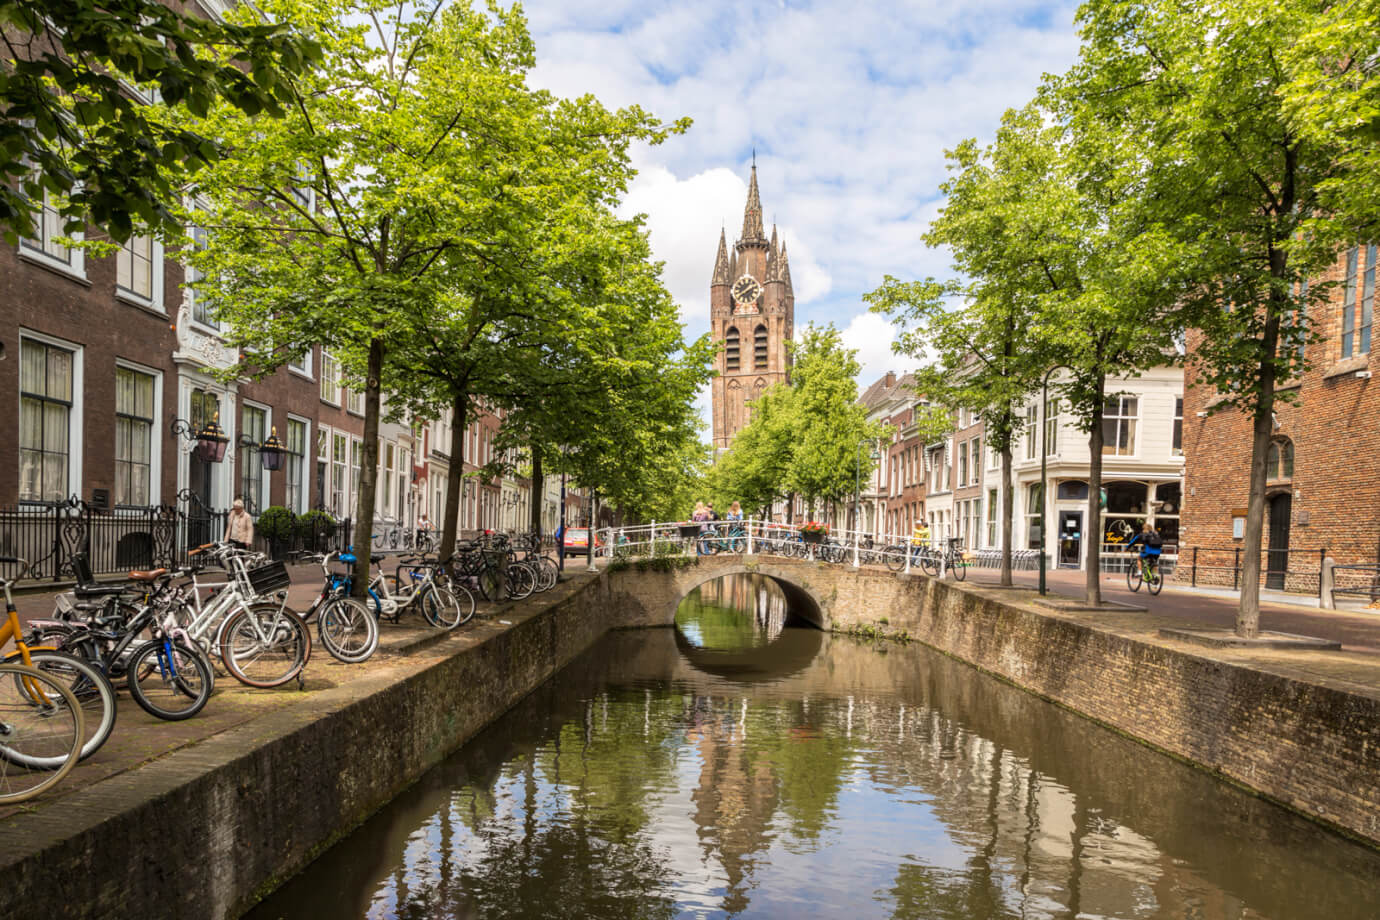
[(1260, 721), (205, 831), (1307, 743)]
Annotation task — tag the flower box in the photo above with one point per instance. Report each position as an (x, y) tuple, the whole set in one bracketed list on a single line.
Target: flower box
[(812, 536)]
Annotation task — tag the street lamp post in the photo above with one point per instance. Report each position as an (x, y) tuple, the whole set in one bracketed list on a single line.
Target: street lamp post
[(1044, 470)]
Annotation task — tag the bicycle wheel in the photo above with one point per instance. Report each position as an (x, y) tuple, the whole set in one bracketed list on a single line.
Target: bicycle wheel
[(89, 685), (1133, 576), (894, 557), (347, 629), (40, 722), (264, 645), (929, 564), (520, 581), (958, 568), (451, 605), (708, 544), (1155, 582), (491, 583), (169, 680)]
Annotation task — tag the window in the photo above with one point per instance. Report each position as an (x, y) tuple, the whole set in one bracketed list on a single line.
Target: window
[(134, 267), (389, 465), (759, 348), (1119, 426), (45, 421), (1072, 490), (133, 436), (356, 464), (991, 517), (1052, 427), (48, 227), (1349, 303), (1367, 303), (1279, 463), (438, 498), (1032, 413), (201, 304), (975, 453), (253, 427), (404, 477), (1034, 512), (731, 349), (354, 401), (301, 364), (330, 379), (295, 444), (963, 464), (1177, 447), (338, 462)]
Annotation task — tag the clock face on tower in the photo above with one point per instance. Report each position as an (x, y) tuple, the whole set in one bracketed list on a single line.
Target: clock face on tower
[(746, 290)]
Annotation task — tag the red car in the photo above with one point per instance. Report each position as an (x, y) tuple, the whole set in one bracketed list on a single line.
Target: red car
[(576, 541)]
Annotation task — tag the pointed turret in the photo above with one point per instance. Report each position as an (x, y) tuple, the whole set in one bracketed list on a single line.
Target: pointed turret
[(733, 266), (752, 214), (771, 257), (721, 275), (783, 267)]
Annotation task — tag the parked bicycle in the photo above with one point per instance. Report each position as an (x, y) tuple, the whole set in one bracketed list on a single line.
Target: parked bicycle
[(722, 537)]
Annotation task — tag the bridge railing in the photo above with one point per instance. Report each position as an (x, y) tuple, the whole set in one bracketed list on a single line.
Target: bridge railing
[(772, 538)]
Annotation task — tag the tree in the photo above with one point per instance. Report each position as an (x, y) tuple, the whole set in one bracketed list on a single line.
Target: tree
[(1191, 101), (829, 421), (410, 166), (77, 129), (755, 470)]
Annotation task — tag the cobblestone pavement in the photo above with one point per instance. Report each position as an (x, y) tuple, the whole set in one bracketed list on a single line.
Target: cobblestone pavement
[(139, 738)]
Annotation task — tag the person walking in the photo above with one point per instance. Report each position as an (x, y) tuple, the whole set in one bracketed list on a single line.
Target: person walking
[(239, 526)]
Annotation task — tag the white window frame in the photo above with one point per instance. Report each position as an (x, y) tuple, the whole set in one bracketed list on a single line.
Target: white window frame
[(73, 267), (155, 434), (330, 374), (1121, 419), (1177, 450), (76, 421), (191, 275), (308, 464), (252, 456), (154, 301), (350, 397), (305, 369)]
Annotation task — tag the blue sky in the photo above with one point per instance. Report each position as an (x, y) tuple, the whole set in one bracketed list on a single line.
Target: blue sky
[(850, 106)]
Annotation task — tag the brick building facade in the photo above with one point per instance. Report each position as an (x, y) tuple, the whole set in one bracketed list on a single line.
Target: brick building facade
[(751, 316), (1324, 469)]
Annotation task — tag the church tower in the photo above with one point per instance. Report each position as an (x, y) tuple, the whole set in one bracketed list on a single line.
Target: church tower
[(751, 316)]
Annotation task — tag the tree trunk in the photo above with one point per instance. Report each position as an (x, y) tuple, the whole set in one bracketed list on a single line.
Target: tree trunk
[(455, 485), (1008, 515), (368, 474), (1262, 431), (1092, 530), (538, 486)]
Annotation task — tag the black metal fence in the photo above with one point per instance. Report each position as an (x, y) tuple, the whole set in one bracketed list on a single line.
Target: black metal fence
[(49, 534), (1294, 570)]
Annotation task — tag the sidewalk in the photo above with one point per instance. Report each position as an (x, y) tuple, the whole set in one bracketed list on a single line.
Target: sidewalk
[(1358, 631)]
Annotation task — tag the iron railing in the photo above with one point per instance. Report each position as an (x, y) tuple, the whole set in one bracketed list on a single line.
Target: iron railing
[(1297, 570)]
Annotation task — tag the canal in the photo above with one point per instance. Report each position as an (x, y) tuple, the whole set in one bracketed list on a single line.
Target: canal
[(745, 764)]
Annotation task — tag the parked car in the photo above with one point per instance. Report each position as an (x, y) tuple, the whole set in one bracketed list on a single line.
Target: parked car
[(577, 542)]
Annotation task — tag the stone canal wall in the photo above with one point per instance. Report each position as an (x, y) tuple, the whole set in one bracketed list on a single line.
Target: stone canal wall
[(1278, 723), (205, 831), (1299, 727)]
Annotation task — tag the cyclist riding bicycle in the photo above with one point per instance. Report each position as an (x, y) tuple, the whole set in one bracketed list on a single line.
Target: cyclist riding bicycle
[(1150, 545)]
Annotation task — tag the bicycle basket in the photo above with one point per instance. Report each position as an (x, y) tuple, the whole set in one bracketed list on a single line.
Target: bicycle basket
[(266, 579)]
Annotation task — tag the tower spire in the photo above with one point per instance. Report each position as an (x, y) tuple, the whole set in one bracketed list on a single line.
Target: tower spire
[(721, 262), (752, 214), (783, 267), (772, 257)]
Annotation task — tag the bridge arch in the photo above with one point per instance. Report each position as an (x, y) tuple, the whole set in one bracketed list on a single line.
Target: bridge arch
[(799, 597)]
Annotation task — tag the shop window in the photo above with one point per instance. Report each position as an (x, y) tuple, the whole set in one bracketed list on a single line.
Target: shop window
[(1072, 491)]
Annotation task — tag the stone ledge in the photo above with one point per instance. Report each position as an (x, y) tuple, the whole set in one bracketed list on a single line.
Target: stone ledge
[(1225, 638)]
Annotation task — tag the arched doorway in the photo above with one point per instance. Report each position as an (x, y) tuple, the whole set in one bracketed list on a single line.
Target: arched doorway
[(1277, 555)]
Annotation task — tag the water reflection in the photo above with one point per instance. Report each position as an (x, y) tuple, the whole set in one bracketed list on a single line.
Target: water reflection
[(875, 781), (741, 629)]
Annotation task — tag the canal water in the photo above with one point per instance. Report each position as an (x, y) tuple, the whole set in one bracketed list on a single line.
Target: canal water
[(747, 765)]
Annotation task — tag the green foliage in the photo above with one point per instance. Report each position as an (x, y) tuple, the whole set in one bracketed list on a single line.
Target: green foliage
[(805, 437), (74, 130), (276, 523), (315, 522)]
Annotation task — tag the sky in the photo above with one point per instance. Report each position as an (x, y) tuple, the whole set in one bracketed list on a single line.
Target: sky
[(849, 106)]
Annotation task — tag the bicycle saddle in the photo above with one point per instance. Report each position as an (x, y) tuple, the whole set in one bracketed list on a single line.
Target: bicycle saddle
[(147, 576)]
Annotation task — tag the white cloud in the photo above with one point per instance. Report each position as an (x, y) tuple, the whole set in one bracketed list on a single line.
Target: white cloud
[(849, 106), (871, 336)]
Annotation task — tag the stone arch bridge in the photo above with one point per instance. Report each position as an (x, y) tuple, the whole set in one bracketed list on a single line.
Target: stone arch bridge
[(829, 596)]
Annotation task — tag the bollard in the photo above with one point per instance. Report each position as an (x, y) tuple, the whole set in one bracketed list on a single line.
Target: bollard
[(1236, 570), (1327, 582)]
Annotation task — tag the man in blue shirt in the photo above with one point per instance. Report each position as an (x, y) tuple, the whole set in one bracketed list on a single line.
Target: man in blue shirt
[(1150, 545)]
